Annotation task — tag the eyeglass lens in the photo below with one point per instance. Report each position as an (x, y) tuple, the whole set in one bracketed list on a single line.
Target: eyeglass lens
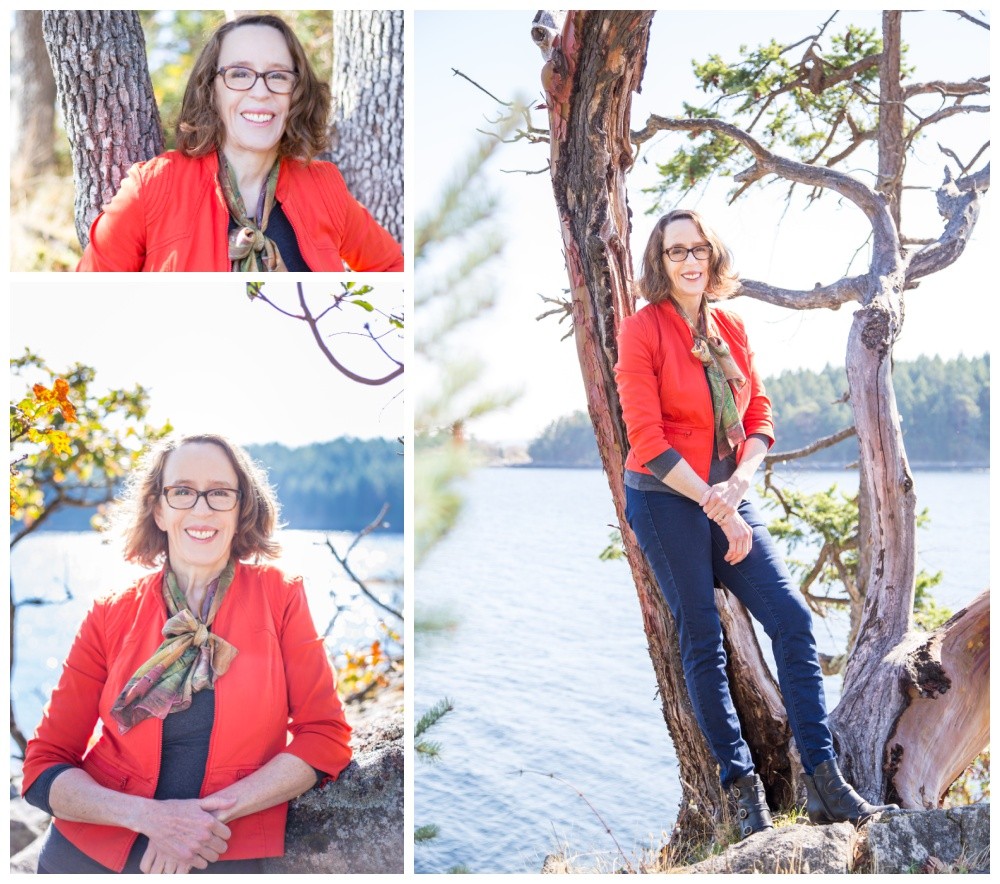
[(244, 79), (180, 497), (679, 253)]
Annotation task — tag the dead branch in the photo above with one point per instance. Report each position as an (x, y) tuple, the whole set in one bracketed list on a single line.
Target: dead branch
[(811, 448), (976, 21), (342, 559), (974, 86)]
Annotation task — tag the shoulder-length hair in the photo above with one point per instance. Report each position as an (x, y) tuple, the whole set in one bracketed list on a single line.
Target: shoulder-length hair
[(146, 544), (654, 284), (200, 129)]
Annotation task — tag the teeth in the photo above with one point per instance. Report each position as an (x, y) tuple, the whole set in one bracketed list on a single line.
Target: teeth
[(258, 118), (200, 535)]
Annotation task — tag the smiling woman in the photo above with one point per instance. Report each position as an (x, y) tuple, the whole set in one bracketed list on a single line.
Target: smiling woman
[(244, 190), (185, 773)]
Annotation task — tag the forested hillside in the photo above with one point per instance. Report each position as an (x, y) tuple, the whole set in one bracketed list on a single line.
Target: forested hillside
[(944, 405)]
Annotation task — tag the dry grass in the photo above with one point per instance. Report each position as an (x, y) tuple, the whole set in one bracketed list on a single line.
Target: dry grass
[(42, 232)]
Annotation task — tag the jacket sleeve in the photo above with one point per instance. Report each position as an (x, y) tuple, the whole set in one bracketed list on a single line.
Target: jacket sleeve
[(69, 717), (757, 418), (639, 391), (366, 246), (118, 234), (320, 733)]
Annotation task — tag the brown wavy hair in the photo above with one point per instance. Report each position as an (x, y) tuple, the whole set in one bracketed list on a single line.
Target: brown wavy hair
[(146, 544), (654, 284), (200, 129)]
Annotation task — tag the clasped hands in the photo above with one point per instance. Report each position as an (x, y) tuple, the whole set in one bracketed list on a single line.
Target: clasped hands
[(184, 834), (720, 504)]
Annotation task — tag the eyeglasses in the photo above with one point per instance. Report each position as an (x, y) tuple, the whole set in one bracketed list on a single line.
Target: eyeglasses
[(241, 79), (180, 497), (679, 253)]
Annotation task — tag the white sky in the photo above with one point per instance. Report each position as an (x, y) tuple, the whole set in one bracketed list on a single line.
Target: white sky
[(804, 248), (212, 360)]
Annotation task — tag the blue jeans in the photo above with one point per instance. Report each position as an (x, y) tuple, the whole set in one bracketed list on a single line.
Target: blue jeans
[(685, 549)]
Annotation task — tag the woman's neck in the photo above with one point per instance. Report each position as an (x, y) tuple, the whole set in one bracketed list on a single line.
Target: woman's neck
[(251, 170), (689, 305), (193, 581)]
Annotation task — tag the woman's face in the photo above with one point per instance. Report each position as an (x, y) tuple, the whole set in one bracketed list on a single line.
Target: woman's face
[(200, 538), (254, 120), (690, 276)]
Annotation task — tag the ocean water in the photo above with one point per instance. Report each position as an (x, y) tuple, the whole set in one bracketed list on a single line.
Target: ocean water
[(556, 735)]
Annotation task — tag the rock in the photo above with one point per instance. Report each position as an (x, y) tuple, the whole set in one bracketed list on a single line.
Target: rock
[(555, 865), (26, 824), (26, 862), (793, 849), (954, 839), (354, 825)]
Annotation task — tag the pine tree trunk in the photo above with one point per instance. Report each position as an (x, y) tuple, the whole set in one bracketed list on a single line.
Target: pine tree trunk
[(33, 100), (367, 122), (594, 66), (106, 97)]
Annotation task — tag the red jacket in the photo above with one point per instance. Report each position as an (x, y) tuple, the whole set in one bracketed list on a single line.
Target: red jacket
[(170, 214), (666, 401), (281, 672)]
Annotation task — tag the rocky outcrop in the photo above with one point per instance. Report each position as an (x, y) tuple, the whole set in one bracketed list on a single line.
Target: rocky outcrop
[(901, 841), (355, 824), (797, 849), (953, 840)]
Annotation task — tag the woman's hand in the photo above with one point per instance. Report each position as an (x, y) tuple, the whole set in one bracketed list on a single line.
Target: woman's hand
[(184, 834), (740, 537), (716, 506), (155, 863), (733, 490)]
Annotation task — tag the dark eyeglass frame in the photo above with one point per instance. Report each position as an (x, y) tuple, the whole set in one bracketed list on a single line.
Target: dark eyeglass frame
[(707, 248), (197, 494), (221, 72)]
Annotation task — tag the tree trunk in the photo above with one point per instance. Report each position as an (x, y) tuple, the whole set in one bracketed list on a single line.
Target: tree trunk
[(33, 100), (106, 97), (366, 134), (593, 67)]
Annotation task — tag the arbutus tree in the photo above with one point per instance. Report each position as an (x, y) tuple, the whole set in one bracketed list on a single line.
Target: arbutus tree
[(914, 710)]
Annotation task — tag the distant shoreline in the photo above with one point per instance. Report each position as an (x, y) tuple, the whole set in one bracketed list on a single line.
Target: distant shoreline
[(938, 467)]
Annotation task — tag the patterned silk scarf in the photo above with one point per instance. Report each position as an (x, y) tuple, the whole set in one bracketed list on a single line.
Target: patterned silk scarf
[(250, 249), (721, 371), (190, 658)]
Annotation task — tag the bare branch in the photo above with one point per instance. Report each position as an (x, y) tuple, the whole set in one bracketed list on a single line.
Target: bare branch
[(958, 203), (943, 114), (313, 324), (768, 163), (342, 559), (456, 72), (811, 448), (975, 86), (962, 14), (831, 296)]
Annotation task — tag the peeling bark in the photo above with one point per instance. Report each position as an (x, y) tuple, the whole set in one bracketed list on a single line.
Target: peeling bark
[(593, 66), (882, 726)]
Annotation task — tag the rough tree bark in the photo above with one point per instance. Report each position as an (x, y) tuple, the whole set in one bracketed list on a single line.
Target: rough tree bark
[(366, 131), (594, 60), (32, 99), (593, 66), (106, 97)]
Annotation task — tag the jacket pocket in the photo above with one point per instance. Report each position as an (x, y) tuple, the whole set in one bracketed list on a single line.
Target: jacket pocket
[(106, 774)]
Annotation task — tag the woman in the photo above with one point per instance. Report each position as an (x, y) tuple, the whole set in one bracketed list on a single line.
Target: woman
[(699, 424), (243, 191), (197, 675)]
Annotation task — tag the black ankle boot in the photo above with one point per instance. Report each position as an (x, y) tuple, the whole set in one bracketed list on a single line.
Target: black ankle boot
[(751, 806), (833, 800)]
